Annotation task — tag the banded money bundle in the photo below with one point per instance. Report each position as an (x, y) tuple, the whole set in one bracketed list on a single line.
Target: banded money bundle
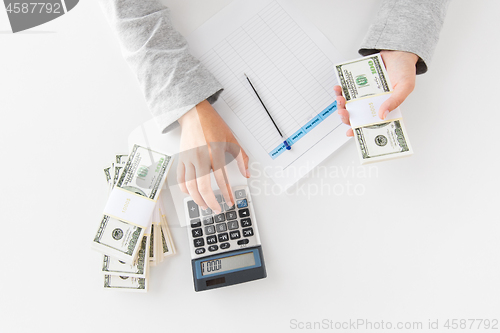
[(365, 86), (129, 249)]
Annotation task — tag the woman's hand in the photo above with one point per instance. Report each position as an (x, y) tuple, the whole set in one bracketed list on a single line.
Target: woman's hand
[(401, 69), (205, 139)]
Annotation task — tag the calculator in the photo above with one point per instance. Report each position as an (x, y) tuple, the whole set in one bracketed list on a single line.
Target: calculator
[(225, 247)]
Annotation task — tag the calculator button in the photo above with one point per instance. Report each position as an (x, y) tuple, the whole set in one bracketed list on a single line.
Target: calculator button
[(221, 227), (199, 250), (243, 241), (212, 239), (197, 232), (246, 222), (196, 223), (242, 203), (235, 234), (232, 225), (223, 237), (240, 194), (210, 230), (213, 248), (224, 246), (198, 242), (208, 220), (193, 209), (206, 212), (220, 200), (247, 232), (226, 207), (231, 216), (220, 218), (244, 213)]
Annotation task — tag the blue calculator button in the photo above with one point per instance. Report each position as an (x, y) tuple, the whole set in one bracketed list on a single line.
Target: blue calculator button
[(213, 248), (244, 213), (212, 239), (243, 241), (223, 238), (248, 232), (235, 234), (224, 246), (193, 209), (246, 222), (198, 242), (199, 250), (197, 232), (242, 203)]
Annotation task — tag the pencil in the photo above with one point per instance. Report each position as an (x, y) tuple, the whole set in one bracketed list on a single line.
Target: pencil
[(256, 93)]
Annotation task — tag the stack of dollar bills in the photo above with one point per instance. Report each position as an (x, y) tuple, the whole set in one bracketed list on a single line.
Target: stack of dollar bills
[(130, 250), (365, 86)]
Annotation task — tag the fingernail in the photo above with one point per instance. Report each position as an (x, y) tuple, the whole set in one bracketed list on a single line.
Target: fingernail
[(217, 211), (248, 173), (385, 114), (204, 207)]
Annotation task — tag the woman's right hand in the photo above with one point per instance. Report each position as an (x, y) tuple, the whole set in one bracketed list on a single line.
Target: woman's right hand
[(205, 139)]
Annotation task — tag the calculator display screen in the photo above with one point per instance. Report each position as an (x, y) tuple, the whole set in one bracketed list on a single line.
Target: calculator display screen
[(228, 263)]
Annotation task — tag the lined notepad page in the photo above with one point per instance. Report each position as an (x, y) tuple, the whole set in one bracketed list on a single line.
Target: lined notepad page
[(290, 63), (286, 68)]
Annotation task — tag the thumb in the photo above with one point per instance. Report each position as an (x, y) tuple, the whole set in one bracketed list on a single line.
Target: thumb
[(242, 160), (401, 91)]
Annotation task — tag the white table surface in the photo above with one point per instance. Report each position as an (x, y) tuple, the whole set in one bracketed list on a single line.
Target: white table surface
[(408, 240)]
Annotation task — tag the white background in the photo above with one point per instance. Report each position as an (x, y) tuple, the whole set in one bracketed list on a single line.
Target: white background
[(419, 240)]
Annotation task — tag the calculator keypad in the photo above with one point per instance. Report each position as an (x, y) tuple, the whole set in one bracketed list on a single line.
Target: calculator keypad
[(229, 230)]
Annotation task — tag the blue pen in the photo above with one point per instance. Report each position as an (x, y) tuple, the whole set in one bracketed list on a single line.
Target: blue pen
[(284, 142)]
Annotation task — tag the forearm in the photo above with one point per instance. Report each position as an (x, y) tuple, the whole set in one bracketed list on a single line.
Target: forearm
[(172, 80), (407, 25)]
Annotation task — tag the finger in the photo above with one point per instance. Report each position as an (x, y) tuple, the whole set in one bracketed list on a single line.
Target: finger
[(218, 158), (401, 91), (242, 160), (340, 102), (192, 186), (204, 186), (219, 167), (349, 132), (181, 177), (240, 156), (206, 192), (224, 186), (344, 116), (338, 90)]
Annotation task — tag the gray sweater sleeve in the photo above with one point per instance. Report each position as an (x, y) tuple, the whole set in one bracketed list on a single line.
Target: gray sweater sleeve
[(172, 80), (407, 25)]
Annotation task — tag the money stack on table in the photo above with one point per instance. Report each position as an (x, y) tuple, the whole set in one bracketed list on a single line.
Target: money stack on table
[(129, 250), (365, 86)]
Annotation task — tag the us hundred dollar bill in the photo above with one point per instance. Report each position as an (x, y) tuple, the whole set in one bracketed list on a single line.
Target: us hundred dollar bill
[(143, 174), (378, 140), (113, 266)]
